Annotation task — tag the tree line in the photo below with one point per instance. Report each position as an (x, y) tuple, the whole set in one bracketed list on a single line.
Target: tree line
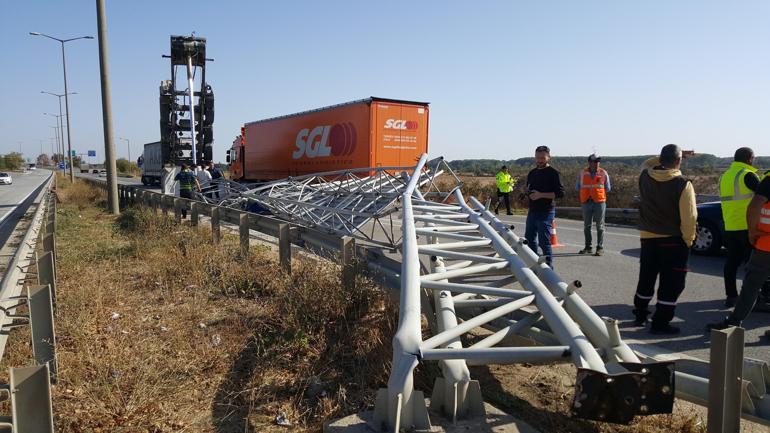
[(703, 163)]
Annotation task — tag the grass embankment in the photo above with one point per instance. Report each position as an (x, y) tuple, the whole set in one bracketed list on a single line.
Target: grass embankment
[(159, 330)]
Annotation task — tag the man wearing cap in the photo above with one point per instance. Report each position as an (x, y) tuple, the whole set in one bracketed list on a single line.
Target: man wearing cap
[(593, 184), (504, 183), (543, 188)]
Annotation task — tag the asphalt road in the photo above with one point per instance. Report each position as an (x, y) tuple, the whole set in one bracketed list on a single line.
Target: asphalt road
[(609, 284), (11, 196)]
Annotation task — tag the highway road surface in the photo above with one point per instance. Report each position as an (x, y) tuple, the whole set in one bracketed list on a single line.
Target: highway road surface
[(12, 196), (609, 283)]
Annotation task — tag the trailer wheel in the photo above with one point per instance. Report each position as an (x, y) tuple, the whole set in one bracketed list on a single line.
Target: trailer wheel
[(144, 181)]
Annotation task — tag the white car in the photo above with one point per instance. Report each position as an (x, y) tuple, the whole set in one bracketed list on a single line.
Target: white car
[(5, 179), (102, 173)]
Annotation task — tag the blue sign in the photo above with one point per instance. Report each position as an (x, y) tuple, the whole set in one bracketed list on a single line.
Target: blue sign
[(61, 165), (91, 153)]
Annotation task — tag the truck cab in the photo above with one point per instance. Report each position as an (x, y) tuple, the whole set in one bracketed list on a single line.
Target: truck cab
[(235, 158)]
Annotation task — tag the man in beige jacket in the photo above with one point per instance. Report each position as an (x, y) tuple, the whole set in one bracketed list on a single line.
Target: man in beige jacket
[(667, 224)]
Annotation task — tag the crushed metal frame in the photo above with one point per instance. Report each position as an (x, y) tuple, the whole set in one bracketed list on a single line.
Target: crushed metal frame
[(465, 270)]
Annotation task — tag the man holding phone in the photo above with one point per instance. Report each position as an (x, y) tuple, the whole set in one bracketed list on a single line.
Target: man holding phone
[(543, 188)]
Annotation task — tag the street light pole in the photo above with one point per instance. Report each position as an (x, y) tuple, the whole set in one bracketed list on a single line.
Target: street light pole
[(128, 145), (61, 124), (57, 127), (66, 99), (109, 144)]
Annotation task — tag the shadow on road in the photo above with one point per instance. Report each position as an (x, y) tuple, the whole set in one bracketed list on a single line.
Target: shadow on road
[(691, 317), (707, 265)]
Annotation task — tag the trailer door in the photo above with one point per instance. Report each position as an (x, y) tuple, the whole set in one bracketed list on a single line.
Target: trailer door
[(401, 133)]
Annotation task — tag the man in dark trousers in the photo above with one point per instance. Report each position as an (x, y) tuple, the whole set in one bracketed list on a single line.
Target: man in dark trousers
[(758, 268), (187, 181), (667, 221), (543, 187), (504, 183), (736, 188)]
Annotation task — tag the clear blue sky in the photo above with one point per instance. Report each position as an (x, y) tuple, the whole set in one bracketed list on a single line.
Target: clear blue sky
[(502, 77)]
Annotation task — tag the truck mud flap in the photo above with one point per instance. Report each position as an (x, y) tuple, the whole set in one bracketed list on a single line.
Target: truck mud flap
[(645, 389)]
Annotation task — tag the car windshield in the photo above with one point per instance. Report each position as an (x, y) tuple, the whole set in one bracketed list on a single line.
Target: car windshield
[(4, 175)]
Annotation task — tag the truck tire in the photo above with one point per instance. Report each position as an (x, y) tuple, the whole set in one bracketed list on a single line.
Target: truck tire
[(144, 181)]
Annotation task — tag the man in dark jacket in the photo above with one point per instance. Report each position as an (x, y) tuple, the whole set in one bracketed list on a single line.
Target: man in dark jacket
[(667, 221), (187, 181), (543, 187)]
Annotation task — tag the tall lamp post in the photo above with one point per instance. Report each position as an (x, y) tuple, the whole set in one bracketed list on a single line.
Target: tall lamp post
[(58, 146), (66, 100), (59, 139), (61, 124), (128, 145)]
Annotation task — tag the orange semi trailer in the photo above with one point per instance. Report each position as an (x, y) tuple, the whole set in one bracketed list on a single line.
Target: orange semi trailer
[(372, 132)]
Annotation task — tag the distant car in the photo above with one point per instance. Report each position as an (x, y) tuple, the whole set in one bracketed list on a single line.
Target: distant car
[(95, 171), (32, 167), (711, 229), (102, 173), (6, 179)]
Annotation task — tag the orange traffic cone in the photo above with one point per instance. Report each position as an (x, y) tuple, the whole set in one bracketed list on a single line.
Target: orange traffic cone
[(554, 238)]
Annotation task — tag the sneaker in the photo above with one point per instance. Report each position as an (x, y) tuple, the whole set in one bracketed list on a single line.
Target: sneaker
[(666, 329), (599, 251), (730, 301), (586, 250)]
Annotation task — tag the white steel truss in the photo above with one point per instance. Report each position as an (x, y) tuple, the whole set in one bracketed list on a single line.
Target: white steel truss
[(467, 270), (361, 203)]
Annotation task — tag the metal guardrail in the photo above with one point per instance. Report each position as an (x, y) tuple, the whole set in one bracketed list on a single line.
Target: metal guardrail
[(387, 270), (29, 388)]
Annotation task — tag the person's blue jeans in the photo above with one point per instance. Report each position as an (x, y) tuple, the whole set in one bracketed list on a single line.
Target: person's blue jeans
[(538, 232)]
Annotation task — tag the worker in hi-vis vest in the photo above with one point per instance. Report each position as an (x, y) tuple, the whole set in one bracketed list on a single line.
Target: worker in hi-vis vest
[(593, 184), (736, 189), (504, 183), (758, 267)]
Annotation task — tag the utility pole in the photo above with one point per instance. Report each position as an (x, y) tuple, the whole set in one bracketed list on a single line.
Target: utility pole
[(109, 144)]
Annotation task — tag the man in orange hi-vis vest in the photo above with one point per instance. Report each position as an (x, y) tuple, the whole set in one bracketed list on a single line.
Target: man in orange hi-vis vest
[(758, 268), (593, 184)]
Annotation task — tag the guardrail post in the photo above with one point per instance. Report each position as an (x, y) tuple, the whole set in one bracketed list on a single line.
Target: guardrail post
[(215, 235), (163, 205), (43, 335), (31, 399), (284, 247), (194, 214), (178, 210), (348, 256), (243, 230), (725, 380), (46, 272)]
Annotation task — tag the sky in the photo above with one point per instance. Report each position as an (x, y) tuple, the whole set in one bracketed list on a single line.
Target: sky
[(502, 77)]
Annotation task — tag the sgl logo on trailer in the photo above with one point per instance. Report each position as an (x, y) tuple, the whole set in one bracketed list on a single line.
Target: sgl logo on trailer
[(401, 124), (329, 140)]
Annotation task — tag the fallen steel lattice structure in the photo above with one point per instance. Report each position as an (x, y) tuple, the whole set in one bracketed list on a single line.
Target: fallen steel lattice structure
[(361, 203), (466, 270)]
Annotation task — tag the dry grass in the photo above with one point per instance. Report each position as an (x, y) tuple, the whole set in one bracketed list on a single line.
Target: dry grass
[(161, 331)]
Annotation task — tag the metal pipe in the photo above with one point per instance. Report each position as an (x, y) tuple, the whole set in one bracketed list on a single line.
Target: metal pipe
[(441, 338), (458, 255), (508, 355), (191, 85), (470, 288)]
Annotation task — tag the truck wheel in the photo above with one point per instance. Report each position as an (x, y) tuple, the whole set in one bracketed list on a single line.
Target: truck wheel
[(144, 181)]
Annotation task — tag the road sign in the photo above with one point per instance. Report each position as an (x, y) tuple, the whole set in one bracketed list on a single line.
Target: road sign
[(91, 153), (73, 153), (61, 165)]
